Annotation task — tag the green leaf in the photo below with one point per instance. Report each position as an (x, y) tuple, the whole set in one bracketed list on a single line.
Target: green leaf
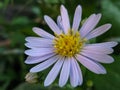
[(109, 81), (111, 10), (27, 86), (1, 5), (20, 20), (111, 14), (52, 1), (17, 38)]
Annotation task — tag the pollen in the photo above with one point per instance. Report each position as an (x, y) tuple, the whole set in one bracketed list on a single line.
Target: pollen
[(68, 44)]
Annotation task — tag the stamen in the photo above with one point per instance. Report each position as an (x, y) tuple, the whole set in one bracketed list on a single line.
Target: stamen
[(68, 44)]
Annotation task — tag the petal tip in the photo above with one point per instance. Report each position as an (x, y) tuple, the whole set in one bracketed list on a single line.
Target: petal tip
[(32, 70), (26, 39), (104, 72), (46, 18), (46, 84), (35, 29), (26, 44), (99, 14), (80, 82), (26, 52), (27, 62), (79, 6), (109, 25), (112, 61), (61, 85), (115, 44), (62, 8)]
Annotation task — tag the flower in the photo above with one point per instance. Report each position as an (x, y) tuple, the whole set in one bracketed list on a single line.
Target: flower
[(31, 77), (67, 47)]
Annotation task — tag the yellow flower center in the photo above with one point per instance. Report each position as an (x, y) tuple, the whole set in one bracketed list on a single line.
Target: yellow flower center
[(68, 44)]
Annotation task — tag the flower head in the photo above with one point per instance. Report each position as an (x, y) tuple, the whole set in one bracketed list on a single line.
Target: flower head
[(31, 77), (68, 46)]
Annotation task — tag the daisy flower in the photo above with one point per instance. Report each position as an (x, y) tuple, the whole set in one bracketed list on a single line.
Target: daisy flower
[(68, 47)]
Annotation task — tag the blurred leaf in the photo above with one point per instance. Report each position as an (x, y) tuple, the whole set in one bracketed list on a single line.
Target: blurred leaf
[(20, 20), (4, 81), (28, 31), (2, 20), (27, 86), (51, 1), (111, 14), (6, 2), (36, 10), (1, 5), (49, 9), (17, 38), (116, 39), (111, 10), (109, 81), (1, 50)]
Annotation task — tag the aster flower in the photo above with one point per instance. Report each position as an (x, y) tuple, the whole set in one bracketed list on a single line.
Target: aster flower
[(67, 47), (31, 77)]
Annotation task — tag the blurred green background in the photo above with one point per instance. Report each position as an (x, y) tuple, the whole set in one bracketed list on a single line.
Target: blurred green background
[(17, 17)]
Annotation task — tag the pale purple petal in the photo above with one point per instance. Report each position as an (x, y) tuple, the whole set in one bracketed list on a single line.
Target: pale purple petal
[(85, 29), (80, 80), (64, 75), (99, 57), (91, 65), (42, 33), (98, 49), (54, 72), (98, 31), (77, 18), (37, 59), (89, 24), (36, 42), (65, 19), (75, 74), (104, 44), (38, 45), (44, 64), (39, 51), (59, 22), (38, 39), (52, 25)]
